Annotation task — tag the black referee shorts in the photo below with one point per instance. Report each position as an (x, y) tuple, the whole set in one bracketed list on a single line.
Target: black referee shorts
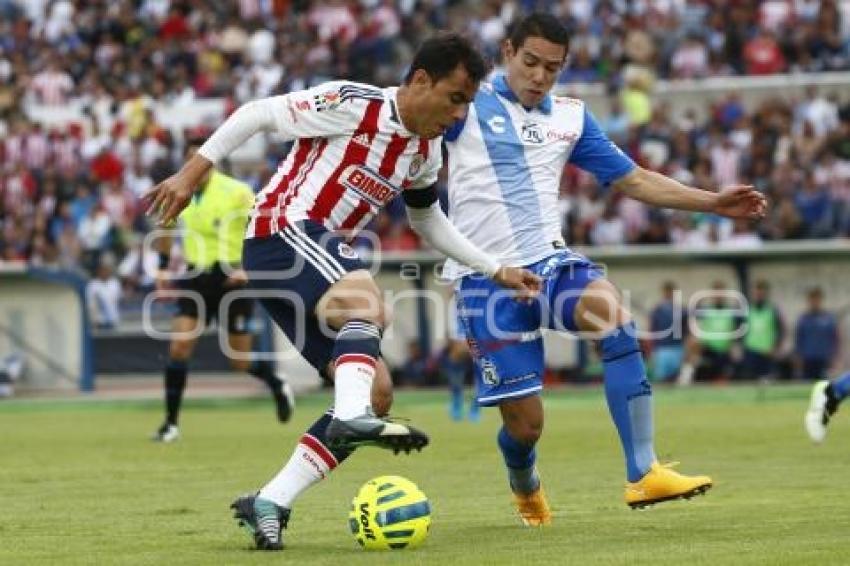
[(210, 285)]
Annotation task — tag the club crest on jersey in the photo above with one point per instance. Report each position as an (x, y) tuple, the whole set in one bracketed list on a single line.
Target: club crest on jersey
[(532, 133), (488, 373), (416, 165), (372, 187), (327, 100), (346, 251)]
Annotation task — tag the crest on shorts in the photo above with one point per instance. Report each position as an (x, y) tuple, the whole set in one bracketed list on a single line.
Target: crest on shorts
[(416, 165), (346, 251), (488, 373)]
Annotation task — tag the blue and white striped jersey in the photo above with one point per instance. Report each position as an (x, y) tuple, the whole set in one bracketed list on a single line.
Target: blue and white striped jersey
[(505, 166)]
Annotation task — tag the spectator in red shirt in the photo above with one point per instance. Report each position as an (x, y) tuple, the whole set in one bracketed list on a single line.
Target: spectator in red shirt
[(762, 55), (174, 26), (106, 166)]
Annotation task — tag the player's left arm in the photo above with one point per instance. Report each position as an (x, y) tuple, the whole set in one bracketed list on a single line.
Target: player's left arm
[(597, 154), (735, 201), (429, 221)]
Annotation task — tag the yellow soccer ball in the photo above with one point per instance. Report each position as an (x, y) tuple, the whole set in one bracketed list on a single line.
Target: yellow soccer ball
[(389, 513)]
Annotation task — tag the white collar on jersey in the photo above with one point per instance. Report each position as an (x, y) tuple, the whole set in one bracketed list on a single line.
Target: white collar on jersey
[(500, 85)]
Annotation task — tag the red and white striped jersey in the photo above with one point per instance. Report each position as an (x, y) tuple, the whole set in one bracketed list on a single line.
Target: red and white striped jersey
[(351, 156)]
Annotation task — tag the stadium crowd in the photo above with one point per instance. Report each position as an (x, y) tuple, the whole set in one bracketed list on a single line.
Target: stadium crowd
[(69, 193)]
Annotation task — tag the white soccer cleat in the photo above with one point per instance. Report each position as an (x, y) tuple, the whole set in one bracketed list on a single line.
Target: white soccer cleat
[(817, 417), (166, 433)]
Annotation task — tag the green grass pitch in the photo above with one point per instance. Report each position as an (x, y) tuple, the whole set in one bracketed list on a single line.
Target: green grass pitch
[(82, 484)]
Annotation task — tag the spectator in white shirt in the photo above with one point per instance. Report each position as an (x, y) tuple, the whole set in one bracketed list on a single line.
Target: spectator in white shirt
[(52, 86), (103, 294), (93, 233), (690, 60)]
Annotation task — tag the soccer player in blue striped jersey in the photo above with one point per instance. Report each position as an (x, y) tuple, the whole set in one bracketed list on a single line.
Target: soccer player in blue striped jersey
[(505, 164)]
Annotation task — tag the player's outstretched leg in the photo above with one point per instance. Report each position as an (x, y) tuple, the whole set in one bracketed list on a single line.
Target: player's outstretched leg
[(517, 439), (356, 351), (282, 393), (263, 519), (823, 403), (174, 385), (311, 462), (629, 397)]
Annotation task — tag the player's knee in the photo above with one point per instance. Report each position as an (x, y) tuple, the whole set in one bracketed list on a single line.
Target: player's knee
[(180, 350), (526, 434), (529, 433), (354, 300), (600, 308), (525, 431)]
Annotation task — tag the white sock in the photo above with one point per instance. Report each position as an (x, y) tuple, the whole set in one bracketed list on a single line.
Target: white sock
[(686, 375), (309, 464), (353, 385)]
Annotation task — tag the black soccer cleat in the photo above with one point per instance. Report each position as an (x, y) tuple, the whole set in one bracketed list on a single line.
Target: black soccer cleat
[(284, 399), (369, 430), (264, 519)]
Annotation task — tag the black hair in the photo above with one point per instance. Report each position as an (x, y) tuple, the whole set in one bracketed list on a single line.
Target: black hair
[(540, 24), (441, 54)]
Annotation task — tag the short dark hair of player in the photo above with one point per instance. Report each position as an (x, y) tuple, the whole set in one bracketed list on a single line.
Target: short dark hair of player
[(440, 55), (540, 24)]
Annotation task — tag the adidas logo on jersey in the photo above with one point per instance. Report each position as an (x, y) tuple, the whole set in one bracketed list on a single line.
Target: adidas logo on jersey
[(362, 139)]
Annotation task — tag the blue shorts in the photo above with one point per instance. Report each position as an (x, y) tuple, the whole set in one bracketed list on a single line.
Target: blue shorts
[(667, 361), (504, 335), (289, 272)]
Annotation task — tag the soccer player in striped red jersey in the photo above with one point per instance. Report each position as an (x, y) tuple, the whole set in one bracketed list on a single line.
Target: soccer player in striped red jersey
[(356, 147)]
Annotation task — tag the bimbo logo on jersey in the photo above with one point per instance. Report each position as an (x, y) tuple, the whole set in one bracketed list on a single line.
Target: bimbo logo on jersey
[(367, 184)]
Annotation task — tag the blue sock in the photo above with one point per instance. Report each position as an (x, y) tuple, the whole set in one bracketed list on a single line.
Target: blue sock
[(841, 387), (474, 410), (455, 373), (629, 398), (519, 458)]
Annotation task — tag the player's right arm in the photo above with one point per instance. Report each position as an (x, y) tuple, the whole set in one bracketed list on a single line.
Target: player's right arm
[(322, 111)]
